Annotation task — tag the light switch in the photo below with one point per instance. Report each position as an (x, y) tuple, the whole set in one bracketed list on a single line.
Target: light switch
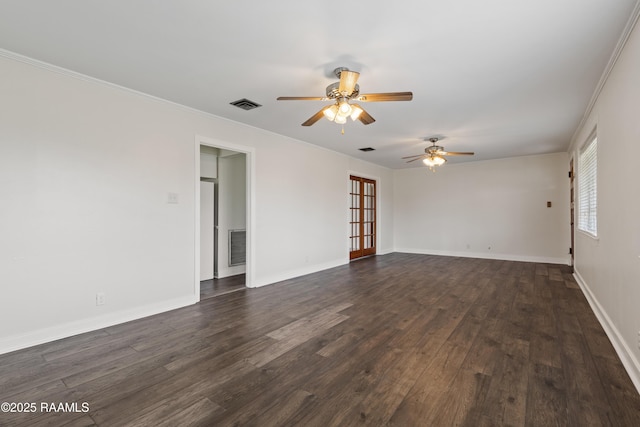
[(172, 198)]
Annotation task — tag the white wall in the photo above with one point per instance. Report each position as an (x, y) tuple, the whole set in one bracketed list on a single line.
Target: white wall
[(209, 162), (488, 209), (85, 172), (608, 267), (303, 219)]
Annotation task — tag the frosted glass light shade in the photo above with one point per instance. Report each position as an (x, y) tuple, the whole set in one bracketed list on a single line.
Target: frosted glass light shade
[(331, 112), (344, 109), (434, 161), (355, 112)]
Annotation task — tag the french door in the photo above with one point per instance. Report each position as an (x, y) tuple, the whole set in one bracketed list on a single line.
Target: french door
[(362, 238)]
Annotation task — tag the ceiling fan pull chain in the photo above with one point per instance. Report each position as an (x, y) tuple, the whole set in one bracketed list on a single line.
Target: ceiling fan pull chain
[(342, 129)]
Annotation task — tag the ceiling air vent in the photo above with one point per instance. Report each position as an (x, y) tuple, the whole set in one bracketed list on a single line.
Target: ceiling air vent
[(245, 104), (366, 149)]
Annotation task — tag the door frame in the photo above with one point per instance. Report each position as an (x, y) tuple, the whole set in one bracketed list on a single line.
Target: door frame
[(572, 198), (250, 201), (379, 216)]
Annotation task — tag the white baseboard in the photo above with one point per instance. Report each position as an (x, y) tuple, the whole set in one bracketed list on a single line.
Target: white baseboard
[(40, 336), (629, 361), (486, 255), (231, 271), (263, 281), (384, 251)]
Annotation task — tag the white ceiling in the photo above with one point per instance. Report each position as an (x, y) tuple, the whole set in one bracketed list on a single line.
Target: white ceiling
[(502, 78)]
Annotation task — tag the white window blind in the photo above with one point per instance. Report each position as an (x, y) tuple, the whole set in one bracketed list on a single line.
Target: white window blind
[(588, 189)]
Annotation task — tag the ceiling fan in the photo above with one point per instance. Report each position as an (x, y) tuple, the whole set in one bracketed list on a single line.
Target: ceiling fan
[(434, 155), (341, 93)]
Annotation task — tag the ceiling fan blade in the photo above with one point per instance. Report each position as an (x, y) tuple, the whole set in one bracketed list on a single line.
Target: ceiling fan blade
[(418, 158), (365, 117), (301, 98), (317, 116), (410, 157), (348, 81), (390, 96), (453, 153)]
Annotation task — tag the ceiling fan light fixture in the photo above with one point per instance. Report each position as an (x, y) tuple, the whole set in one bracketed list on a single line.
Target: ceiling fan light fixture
[(355, 112), (432, 161), (331, 112), (343, 91), (344, 108), (434, 155)]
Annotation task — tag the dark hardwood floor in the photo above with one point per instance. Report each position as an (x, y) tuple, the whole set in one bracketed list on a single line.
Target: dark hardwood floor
[(399, 339), (216, 287)]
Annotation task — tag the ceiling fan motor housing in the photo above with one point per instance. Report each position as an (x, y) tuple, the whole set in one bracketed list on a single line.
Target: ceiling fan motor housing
[(333, 93)]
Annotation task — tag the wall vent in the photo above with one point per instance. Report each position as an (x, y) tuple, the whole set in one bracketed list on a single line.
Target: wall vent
[(245, 104), (237, 247), (367, 149)]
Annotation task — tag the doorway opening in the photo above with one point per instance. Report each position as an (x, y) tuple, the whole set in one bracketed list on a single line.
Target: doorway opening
[(362, 237), (223, 218)]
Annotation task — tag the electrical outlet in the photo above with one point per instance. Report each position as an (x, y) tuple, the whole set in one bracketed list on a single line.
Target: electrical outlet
[(100, 298)]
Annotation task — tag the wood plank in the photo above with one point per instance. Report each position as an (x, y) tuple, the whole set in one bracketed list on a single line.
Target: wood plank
[(546, 397), (423, 399), (182, 409)]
